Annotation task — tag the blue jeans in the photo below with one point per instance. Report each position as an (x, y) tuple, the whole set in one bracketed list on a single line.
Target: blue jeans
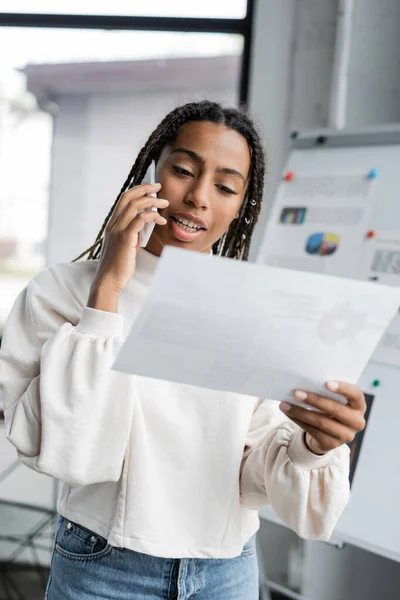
[(85, 567)]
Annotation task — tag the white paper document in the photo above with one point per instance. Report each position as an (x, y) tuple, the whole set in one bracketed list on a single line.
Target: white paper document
[(253, 329)]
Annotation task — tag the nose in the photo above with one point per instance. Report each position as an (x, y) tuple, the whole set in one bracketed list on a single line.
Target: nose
[(198, 195)]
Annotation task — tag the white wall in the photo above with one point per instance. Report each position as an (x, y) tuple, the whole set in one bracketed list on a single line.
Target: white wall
[(68, 176), (374, 81), (314, 30), (269, 95)]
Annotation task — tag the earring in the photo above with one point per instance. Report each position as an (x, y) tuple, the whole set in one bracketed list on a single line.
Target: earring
[(237, 215)]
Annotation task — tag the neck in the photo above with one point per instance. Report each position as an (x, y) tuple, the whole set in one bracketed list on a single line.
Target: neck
[(155, 246)]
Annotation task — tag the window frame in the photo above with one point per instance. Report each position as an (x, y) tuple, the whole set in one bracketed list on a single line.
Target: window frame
[(242, 27)]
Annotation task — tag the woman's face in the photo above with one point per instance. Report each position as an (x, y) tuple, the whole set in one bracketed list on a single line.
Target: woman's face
[(204, 175)]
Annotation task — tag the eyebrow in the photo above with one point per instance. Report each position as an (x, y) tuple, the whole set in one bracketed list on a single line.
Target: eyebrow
[(197, 158)]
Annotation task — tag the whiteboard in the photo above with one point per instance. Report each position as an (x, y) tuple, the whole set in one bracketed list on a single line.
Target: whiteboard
[(371, 520)]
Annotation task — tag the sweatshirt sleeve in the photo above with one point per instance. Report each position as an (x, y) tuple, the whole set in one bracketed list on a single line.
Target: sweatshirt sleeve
[(67, 413), (308, 492)]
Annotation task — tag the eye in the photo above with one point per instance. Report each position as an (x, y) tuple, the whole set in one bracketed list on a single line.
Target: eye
[(226, 190), (182, 171)]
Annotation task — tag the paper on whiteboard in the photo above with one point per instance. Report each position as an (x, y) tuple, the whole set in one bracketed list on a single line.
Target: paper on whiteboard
[(251, 329), (318, 223), (381, 263)]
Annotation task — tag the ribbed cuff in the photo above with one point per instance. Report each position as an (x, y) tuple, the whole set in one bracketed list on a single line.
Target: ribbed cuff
[(302, 457), (100, 323)]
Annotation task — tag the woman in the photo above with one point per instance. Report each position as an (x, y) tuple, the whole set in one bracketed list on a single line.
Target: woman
[(162, 481)]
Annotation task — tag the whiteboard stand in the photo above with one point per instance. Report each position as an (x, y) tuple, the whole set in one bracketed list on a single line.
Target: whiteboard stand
[(264, 584)]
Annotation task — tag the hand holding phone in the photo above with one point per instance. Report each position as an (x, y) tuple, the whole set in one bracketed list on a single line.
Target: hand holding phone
[(135, 211)]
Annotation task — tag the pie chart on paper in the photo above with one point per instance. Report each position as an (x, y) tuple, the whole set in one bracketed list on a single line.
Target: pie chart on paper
[(322, 244)]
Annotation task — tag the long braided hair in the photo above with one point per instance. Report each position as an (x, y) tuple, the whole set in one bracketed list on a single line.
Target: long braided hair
[(235, 243)]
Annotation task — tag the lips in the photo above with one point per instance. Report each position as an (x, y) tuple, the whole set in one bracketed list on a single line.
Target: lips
[(190, 220), (187, 227)]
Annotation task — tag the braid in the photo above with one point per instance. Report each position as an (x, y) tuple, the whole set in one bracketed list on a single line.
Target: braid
[(238, 237), (235, 243)]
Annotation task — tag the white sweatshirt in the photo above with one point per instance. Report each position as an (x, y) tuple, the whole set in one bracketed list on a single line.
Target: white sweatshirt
[(157, 467)]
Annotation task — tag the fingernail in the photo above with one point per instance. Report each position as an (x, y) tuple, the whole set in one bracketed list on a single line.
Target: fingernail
[(299, 395), (333, 386), (285, 406)]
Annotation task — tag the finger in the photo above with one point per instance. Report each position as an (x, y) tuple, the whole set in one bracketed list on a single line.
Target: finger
[(144, 189), (344, 414), (322, 422), (325, 441), (133, 208), (350, 391), (139, 222), (147, 202), (134, 205), (132, 194)]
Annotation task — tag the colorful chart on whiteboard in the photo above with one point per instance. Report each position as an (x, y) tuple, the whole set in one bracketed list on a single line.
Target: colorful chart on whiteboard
[(318, 224)]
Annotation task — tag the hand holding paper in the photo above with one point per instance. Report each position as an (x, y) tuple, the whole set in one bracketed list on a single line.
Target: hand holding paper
[(331, 424)]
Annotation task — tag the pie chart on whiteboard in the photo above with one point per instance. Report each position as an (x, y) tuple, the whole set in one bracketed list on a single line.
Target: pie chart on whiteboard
[(322, 244)]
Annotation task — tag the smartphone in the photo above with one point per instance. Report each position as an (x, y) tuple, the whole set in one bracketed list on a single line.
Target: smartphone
[(145, 233)]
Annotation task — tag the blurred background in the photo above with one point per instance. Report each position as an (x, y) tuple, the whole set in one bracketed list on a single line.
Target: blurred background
[(82, 85)]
